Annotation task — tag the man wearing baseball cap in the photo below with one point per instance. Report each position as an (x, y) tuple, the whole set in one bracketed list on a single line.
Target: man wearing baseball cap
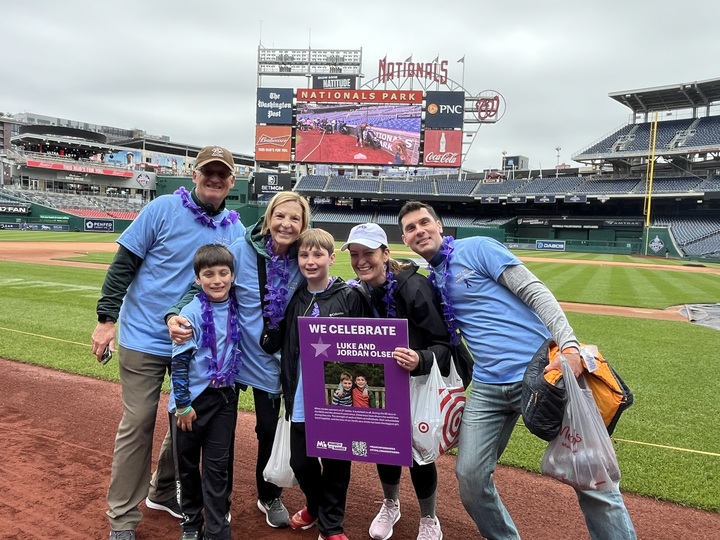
[(151, 271)]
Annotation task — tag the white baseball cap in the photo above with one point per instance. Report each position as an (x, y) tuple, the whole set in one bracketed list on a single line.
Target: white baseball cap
[(367, 234)]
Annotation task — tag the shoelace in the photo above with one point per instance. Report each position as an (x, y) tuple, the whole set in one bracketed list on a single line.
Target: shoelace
[(386, 514), (427, 531), (276, 505)]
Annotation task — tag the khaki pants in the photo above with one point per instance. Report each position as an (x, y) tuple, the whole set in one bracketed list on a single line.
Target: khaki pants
[(141, 377)]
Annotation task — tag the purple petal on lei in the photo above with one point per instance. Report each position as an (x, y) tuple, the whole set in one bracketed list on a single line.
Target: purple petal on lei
[(389, 298), (315, 311), (277, 295), (448, 311), (220, 374), (200, 214)]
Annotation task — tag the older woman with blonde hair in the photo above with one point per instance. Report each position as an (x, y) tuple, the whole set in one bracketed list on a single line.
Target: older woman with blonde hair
[(266, 276)]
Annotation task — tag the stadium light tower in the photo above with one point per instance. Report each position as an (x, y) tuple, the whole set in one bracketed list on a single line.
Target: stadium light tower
[(557, 165), (502, 166)]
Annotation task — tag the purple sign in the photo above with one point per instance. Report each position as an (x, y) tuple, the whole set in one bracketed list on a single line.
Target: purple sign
[(357, 399)]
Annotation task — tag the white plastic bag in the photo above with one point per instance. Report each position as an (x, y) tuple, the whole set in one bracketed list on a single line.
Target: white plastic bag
[(436, 407), (582, 455), (278, 470)]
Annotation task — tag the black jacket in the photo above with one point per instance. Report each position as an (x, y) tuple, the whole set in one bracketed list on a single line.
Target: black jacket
[(338, 299), (416, 301)]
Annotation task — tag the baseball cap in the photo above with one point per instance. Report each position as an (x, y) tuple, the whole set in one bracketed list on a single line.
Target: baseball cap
[(215, 153), (367, 234)]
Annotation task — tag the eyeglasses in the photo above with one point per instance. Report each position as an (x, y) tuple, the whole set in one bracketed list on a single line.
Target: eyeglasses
[(209, 173)]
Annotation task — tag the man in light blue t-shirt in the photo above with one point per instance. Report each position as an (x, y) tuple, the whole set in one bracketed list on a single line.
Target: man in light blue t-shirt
[(150, 271), (505, 314)]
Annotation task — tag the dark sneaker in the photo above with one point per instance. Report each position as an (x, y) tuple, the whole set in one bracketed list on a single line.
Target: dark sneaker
[(302, 520), (275, 512), (122, 535), (191, 535), (170, 506)]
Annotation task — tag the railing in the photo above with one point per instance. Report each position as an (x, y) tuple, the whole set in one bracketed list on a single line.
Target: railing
[(377, 392)]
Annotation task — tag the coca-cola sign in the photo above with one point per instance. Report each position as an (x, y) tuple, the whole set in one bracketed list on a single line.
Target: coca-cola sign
[(442, 148)]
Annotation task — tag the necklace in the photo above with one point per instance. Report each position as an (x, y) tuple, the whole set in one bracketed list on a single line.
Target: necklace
[(448, 311), (200, 214), (277, 296), (220, 373)]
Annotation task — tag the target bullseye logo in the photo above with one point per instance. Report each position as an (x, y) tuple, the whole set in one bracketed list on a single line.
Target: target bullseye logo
[(423, 427)]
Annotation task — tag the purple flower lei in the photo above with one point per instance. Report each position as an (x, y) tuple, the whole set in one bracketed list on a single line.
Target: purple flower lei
[(277, 296), (200, 214), (389, 298), (220, 374), (446, 249)]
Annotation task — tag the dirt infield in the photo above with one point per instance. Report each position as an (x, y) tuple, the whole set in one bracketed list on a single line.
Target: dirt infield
[(57, 443), (57, 451)]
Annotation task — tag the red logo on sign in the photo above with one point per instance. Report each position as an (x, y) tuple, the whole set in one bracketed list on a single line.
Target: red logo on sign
[(487, 107)]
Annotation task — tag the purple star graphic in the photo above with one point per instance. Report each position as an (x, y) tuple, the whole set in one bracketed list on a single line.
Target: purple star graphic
[(321, 348)]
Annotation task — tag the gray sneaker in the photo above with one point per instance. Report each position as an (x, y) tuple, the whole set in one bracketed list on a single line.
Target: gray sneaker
[(429, 529), (275, 512), (122, 535), (381, 527)]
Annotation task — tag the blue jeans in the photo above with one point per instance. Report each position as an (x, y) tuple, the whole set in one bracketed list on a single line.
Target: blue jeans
[(491, 413)]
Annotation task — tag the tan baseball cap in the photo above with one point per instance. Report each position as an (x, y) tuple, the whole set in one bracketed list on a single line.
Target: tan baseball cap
[(215, 153)]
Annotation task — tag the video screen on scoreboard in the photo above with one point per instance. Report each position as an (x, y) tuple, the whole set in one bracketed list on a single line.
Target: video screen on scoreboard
[(352, 133)]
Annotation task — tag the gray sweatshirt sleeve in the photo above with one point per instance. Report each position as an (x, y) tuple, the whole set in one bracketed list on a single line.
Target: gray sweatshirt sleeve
[(533, 292)]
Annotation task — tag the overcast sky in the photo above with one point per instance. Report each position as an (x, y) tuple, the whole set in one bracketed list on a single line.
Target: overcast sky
[(188, 69)]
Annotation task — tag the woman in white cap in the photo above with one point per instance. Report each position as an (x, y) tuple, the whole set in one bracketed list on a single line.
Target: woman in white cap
[(396, 290)]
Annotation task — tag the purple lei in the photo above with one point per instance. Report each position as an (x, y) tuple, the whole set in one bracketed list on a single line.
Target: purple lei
[(389, 298), (447, 308), (220, 374), (277, 296), (200, 214)]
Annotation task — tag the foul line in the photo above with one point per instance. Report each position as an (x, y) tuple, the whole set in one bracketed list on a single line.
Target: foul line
[(713, 454), (666, 447), (46, 337)]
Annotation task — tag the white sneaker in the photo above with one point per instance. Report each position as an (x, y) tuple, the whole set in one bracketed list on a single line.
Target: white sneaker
[(429, 529), (381, 527)]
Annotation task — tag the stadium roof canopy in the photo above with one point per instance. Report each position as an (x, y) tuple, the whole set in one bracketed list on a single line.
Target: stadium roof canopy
[(666, 98), (153, 145)]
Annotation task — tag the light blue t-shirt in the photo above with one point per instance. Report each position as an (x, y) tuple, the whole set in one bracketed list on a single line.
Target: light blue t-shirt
[(298, 413), (199, 370), (502, 333), (165, 235), (259, 369)]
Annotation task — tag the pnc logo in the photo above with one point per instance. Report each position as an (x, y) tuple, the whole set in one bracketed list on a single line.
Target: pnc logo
[(432, 109)]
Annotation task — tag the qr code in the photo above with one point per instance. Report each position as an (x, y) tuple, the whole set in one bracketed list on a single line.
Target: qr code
[(359, 448)]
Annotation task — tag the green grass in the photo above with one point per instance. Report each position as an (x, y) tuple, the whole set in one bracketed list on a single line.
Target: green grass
[(47, 314)]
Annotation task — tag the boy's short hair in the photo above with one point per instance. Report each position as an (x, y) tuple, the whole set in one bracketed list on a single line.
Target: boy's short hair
[(412, 206), (211, 255), (360, 374), (345, 376), (314, 238)]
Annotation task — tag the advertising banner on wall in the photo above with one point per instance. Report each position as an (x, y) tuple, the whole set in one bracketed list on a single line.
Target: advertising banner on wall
[(99, 225), (273, 143), (272, 182), (274, 106), (442, 148), (444, 110), (78, 168)]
